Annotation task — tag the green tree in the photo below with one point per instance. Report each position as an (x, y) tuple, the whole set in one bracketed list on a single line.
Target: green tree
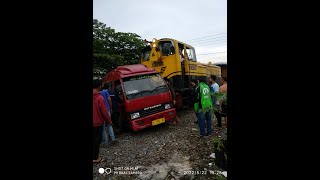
[(112, 49)]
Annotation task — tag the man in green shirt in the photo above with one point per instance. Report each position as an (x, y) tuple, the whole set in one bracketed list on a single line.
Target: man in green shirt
[(203, 107)]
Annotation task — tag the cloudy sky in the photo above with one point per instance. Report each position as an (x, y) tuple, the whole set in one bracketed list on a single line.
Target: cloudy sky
[(200, 23)]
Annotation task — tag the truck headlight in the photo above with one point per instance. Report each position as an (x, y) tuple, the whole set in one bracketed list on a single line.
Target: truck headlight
[(135, 115), (167, 106)]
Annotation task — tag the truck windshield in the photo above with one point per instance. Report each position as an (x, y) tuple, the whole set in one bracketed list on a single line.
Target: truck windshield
[(143, 85), (145, 54)]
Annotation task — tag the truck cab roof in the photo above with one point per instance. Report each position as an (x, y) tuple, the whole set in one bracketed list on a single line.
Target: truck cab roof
[(128, 70)]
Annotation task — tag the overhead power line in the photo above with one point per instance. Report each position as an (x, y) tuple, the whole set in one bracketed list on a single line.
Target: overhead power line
[(208, 39), (205, 37), (210, 45), (209, 42), (212, 53)]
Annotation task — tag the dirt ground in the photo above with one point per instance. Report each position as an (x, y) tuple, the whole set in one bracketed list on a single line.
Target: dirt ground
[(161, 152)]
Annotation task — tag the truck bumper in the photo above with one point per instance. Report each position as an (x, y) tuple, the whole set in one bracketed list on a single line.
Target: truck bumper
[(145, 122)]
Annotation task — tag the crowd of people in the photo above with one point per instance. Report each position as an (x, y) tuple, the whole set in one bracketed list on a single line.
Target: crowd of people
[(205, 103)]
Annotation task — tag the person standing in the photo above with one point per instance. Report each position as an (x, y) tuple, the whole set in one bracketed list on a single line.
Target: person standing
[(100, 115), (223, 102), (115, 109), (114, 103), (215, 88), (173, 95), (204, 107), (194, 85), (107, 129)]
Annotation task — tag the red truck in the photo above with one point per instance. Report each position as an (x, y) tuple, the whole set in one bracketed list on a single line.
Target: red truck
[(143, 97)]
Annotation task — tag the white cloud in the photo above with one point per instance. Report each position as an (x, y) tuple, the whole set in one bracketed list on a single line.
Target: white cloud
[(211, 53), (178, 19)]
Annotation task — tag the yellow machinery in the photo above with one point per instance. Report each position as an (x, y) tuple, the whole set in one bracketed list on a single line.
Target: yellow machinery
[(177, 61)]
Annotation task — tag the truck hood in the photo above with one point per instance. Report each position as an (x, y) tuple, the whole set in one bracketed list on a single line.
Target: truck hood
[(147, 101)]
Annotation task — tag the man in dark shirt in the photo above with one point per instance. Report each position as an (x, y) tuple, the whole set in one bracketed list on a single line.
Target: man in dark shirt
[(173, 94), (115, 109), (194, 84)]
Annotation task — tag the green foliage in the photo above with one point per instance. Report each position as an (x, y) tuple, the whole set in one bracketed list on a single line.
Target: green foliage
[(208, 109), (220, 96), (218, 144), (220, 177), (112, 49), (225, 100)]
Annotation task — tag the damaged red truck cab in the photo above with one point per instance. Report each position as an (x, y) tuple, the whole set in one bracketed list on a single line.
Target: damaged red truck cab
[(143, 97)]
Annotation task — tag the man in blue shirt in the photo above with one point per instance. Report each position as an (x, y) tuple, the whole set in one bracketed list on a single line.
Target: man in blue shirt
[(106, 96), (215, 88)]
